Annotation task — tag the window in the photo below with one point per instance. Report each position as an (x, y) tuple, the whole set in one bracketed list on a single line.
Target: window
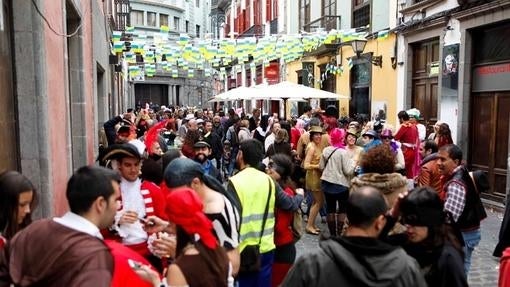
[(360, 13), (137, 18), (187, 26), (329, 9), (151, 19), (197, 3), (197, 31), (177, 24), (304, 13), (163, 20)]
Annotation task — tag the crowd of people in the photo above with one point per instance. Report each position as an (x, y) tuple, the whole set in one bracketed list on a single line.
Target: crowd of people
[(204, 198)]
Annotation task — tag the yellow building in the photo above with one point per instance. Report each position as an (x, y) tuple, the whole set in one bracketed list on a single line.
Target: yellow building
[(370, 86)]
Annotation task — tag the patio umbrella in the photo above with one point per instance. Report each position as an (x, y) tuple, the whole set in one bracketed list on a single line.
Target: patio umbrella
[(240, 93), (289, 90)]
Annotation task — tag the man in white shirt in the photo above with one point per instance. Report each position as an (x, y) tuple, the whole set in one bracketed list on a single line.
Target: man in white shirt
[(137, 200), (68, 250)]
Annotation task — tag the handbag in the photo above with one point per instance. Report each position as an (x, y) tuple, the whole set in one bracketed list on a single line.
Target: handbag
[(250, 256), (297, 224)]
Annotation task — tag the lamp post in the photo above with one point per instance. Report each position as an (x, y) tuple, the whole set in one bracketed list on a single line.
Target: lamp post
[(358, 46)]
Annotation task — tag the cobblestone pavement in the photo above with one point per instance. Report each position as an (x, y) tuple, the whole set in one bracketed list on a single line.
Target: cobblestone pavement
[(484, 267)]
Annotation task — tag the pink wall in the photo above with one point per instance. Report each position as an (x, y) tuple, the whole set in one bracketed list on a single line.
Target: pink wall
[(58, 104), (56, 78)]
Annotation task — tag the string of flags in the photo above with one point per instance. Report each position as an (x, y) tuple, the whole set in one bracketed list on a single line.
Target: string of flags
[(145, 54)]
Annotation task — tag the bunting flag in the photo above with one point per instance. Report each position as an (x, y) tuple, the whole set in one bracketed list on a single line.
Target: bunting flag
[(183, 53), (381, 35), (350, 63), (116, 35)]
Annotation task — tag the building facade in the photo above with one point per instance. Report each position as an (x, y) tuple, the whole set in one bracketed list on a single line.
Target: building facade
[(180, 16), (369, 76), (57, 88), (454, 67)]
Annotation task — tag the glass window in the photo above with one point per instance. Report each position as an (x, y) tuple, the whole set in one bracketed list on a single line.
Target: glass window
[(163, 20), (197, 31), (197, 3), (177, 24), (151, 19), (304, 14), (137, 18), (187, 26)]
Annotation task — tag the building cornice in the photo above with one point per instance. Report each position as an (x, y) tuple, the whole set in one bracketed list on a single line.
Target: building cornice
[(420, 6)]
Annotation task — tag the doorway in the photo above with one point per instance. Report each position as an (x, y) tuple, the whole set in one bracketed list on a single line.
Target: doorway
[(489, 138), (425, 74)]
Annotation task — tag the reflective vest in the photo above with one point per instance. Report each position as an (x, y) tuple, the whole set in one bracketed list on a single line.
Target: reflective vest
[(252, 187)]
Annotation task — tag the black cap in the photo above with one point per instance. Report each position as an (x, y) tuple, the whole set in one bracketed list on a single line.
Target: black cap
[(201, 144), (118, 151), (331, 111)]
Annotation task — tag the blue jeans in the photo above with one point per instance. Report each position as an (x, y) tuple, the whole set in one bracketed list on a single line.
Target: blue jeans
[(471, 240), (261, 278)]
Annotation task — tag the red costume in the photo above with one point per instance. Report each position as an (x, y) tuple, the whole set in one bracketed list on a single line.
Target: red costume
[(123, 274), (409, 137), (282, 236)]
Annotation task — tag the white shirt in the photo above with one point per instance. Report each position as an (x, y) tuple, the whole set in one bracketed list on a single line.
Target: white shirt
[(132, 200), (79, 223), (422, 131), (269, 141)]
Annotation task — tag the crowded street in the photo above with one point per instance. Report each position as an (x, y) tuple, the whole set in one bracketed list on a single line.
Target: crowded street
[(255, 143)]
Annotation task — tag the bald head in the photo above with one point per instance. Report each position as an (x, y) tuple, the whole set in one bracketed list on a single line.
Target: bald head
[(364, 206)]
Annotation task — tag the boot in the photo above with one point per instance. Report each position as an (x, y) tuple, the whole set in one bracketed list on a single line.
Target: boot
[(340, 220), (331, 221)]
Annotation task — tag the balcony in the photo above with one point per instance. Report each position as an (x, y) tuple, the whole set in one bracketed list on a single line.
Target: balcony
[(223, 4), (325, 22)]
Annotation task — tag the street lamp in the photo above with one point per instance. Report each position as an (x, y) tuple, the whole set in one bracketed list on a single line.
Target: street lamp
[(358, 46)]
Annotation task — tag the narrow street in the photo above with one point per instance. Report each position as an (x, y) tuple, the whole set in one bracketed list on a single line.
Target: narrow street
[(484, 268)]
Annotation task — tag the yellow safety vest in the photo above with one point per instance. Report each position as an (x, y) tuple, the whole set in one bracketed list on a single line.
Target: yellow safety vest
[(252, 187)]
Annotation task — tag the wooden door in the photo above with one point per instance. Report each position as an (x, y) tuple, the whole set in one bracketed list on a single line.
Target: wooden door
[(425, 81), (489, 138), (8, 112)]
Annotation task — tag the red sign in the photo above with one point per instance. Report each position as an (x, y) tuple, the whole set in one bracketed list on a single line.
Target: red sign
[(494, 69), (272, 73)]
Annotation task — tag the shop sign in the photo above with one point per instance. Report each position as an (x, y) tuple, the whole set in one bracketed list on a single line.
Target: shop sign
[(491, 78)]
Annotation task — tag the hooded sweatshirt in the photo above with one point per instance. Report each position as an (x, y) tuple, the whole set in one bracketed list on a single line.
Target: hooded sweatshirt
[(355, 261)]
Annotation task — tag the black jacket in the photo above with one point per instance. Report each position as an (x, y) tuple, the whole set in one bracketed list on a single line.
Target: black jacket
[(355, 261)]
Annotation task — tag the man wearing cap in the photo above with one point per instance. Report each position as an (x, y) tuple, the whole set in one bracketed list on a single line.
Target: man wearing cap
[(408, 136), (137, 201), (414, 117), (202, 151)]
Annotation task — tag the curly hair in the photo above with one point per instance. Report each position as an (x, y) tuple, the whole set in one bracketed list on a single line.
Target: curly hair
[(378, 159)]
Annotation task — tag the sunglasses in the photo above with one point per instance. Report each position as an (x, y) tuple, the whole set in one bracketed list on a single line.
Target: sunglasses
[(386, 138)]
